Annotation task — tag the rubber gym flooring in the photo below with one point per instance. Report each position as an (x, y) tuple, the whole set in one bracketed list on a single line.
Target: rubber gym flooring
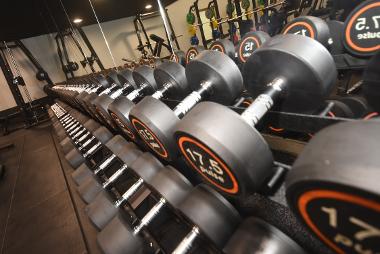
[(40, 211)]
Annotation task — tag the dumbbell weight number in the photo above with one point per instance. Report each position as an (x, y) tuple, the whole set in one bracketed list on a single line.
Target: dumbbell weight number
[(325, 212), (206, 162), (362, 29), (300, 28)]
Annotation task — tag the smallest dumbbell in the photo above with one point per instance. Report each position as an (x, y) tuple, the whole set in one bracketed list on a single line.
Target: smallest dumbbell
[(106, 205), (171, 188)]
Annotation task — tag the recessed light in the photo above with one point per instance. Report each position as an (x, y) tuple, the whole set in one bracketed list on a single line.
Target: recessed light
[(78, 20), (148, 6)]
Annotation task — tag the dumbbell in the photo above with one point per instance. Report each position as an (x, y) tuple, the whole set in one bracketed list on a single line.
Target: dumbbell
[(105, 174), (210, 215), (103, 88), (361, 30), (212, 75), (333, 187), (172, 76), (249, 43), (225, 46), (205, 210), (73, 127), (312, 27), (257, 236), (119, 109), (93, 88), (193, 52), (224, 147), (78, 135), (125, 85), (102, 102), (329, 33), (106, 204), (83, 172), (67, 123), (81, 97), (353, 107), (170, 189), (113, 90), (336, 29), (88, 147)]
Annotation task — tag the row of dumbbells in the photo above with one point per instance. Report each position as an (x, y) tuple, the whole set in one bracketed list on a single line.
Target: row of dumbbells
[(229, 154), (214, 77), (205, 221)]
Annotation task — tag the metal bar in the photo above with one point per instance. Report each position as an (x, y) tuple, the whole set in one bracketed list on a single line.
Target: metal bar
[(60, 54), (145, 34), (239, 13), (173, 32), (218, 15), (14, 89), (76, 42), (196, 7), (66, 54), (89, 46), (31, 57)]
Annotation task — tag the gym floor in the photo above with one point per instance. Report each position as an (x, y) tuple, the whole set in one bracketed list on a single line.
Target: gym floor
[(40, 212)]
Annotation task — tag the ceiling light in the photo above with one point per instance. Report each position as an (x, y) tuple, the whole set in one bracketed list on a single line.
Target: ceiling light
[(78, 20), (148, 6)]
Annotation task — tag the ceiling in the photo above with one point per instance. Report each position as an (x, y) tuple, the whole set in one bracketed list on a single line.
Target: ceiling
[(27, 18)]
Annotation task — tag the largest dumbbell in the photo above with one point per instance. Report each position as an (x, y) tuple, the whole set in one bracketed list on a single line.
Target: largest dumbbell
[(333, 187), (212, 75), (224, 147)]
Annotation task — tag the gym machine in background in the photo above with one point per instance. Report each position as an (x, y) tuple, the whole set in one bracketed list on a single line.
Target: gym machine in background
[(69, 66), (269, 16), (32, 113), (160, 42)]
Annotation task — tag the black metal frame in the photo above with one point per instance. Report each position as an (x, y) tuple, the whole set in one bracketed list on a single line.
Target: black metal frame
[(64, 57), (90, 47), (30, 56), (139, 26), (195, 7), (27, 112)]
